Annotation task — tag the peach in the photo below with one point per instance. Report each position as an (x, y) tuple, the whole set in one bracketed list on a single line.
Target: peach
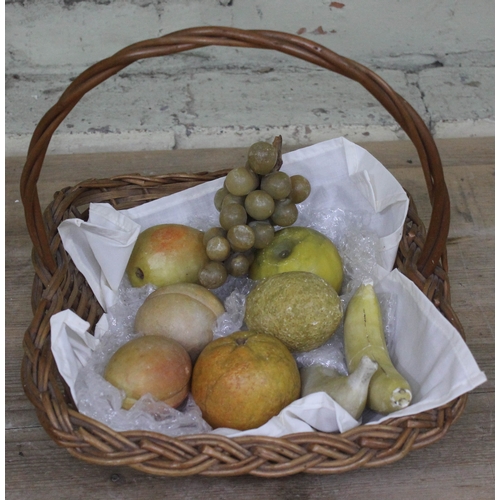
[(185, 312), (150, 365), (166, 254)]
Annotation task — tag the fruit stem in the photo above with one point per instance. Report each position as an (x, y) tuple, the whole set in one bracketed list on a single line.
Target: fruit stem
[(278, 143)]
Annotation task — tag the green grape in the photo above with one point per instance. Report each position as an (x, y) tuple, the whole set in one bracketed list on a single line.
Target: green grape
[(277, 184), (285, 213), (250, 255), (241, 237), (259, 205), (301, 188), (262, 157), (232, 215), (264, 233), (231, 198), (240, 181), (219, 196), (212, 275), (213, 231), (218, 248), (237, 265)]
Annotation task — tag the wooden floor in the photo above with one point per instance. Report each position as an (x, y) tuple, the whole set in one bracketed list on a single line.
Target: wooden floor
[(460, 466)]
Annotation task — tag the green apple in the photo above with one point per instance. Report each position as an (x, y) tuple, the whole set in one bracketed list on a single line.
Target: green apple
[(298, 248), (166, 254)]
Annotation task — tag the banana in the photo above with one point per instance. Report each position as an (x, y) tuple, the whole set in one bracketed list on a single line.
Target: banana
[(388, 391)]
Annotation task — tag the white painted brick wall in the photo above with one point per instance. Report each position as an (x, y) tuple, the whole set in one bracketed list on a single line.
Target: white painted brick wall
[(438, 54)]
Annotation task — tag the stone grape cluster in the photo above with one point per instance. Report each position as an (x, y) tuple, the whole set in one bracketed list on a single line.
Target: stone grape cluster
[(254, 199)]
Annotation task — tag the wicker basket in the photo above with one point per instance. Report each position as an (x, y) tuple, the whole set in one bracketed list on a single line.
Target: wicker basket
[(58, 285)]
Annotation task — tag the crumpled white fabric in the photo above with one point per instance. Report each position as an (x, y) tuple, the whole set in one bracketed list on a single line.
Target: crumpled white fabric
[(100, 248), (71, 344), (315, 412), (426, 348), (342, 175)]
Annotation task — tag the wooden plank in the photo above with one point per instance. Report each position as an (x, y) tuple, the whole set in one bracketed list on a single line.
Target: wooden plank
[(475, 151), (457, 467)]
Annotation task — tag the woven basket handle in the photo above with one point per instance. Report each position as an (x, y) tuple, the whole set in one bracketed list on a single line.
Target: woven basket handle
[(435, 245)]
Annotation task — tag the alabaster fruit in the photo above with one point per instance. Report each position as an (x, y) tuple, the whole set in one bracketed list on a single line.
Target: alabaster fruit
[(185, 312), (150, 365), (166, 254), (298, 248), (299, 308), (242, 380)]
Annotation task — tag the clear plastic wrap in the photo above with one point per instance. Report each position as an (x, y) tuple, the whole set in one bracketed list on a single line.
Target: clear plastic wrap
[(100, 400), (354, 201)]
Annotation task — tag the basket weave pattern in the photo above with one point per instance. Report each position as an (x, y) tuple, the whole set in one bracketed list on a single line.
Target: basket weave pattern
[(58, 285)]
